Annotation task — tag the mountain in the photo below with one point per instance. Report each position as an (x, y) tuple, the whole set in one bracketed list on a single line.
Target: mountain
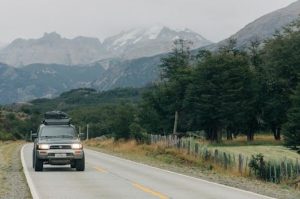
[(265, 26), (43, 80), (52, 48), (129, 73), (49, 80), (145, 42)]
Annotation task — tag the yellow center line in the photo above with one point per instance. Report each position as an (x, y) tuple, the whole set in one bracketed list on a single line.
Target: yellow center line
[(150, 191), (100, 169)]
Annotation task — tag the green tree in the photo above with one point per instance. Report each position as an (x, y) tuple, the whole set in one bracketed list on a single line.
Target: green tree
[(218, 97), (281, 57), (176, 71), (292, 126)]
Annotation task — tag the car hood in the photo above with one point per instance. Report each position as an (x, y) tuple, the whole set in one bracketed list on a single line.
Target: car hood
[(58, 141)]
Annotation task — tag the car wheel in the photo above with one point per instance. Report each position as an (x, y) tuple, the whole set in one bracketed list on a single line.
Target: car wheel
[(33, 158), (80, 164), (38, 166)]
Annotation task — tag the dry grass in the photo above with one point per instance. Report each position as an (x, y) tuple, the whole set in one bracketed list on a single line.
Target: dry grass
[(153, 153), (6, 149), (11, 175)]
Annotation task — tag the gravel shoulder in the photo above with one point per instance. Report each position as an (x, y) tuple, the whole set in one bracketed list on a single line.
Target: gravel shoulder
[(200, 171), (12, 178)]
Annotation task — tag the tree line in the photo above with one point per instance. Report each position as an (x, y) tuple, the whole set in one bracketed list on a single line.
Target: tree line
[(231, 91)]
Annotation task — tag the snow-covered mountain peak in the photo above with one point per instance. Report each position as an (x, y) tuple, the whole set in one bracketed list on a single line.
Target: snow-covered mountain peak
[(148, 41)]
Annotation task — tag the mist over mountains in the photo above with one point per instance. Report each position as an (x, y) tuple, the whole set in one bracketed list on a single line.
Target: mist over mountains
[(52, 48)]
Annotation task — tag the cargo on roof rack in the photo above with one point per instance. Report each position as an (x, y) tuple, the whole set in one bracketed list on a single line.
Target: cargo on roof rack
[(56, 118), (56, 115), (57, 121)]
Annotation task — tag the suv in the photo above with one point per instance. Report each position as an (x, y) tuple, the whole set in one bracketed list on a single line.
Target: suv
[(57, 143)]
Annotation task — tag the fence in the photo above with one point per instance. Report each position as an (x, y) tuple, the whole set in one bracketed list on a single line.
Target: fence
[(271, 171)]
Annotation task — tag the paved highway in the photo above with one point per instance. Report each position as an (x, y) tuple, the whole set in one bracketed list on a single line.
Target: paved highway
[(109, 177)]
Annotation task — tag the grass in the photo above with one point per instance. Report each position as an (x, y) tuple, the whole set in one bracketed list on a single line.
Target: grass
[(272, 153), (265, 144), (10, 168), (150, 153), (241, 140)]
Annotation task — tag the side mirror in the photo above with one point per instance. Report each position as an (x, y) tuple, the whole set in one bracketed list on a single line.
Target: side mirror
[(34, 136), (81, 136)]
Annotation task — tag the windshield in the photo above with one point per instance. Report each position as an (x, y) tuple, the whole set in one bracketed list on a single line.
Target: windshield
[(58, 131)]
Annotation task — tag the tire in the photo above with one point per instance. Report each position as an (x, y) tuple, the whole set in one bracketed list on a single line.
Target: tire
[(80, 164), (33, 159), (73, 164), (38, 166)]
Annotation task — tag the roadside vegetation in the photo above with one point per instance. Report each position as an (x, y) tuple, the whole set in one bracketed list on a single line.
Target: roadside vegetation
[(12, 179)]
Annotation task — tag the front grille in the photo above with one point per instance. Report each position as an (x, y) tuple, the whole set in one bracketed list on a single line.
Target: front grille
[(53, 154), (60, 147)]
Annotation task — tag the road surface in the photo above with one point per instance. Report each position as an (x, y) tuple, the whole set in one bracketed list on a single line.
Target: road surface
[(109, 177)]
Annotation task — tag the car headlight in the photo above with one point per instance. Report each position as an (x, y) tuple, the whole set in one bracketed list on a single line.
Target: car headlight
[(77, 146), (44, 146)]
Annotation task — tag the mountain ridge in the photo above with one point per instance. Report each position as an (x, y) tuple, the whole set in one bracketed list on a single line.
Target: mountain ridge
[(263, 27), (52, 48)]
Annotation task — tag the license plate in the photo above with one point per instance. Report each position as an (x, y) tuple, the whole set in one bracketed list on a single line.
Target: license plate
[(60, 155)]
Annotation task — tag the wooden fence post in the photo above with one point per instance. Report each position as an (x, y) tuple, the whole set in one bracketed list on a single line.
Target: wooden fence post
[(196, 149), (216, 156), (240, 164), (225, 160)]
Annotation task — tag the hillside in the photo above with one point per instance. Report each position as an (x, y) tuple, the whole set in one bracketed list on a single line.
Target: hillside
[(50, 80), (79, 98), (265, 26), (40, 80)]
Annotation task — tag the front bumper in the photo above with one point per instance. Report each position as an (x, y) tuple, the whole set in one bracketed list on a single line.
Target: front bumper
[(60, 156)]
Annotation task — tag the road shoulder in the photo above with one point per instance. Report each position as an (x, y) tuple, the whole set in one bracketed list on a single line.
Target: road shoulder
[(12, 179)]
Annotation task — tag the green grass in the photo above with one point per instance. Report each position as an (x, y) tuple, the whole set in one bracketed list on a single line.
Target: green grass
[(265, 144), (272, 153)]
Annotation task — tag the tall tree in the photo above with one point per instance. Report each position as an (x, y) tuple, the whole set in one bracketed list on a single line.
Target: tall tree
[(281, 56), (218, 96), (176, 69), (292, 126)]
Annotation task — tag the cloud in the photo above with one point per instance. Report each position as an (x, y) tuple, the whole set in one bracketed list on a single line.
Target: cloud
[(214, 19)]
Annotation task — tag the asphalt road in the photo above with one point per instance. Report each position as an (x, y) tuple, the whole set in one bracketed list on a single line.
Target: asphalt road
[(109, 177)]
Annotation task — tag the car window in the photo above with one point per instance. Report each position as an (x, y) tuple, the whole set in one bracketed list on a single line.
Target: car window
[(57, 131)]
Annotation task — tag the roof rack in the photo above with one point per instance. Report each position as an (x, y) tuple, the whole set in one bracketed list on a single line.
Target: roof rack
[(56, 115), (56, 118)]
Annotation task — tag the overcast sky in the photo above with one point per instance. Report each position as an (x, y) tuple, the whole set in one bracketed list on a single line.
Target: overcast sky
[(214, 19)]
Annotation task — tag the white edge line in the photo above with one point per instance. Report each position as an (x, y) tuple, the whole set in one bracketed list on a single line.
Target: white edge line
[(194, 178), (28, 178)]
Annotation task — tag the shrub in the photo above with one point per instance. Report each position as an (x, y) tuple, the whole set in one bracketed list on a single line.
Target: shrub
[(258, 166), (138, 133)]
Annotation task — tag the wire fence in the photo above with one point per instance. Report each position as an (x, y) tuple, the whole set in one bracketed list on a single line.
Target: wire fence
[(270, 171)]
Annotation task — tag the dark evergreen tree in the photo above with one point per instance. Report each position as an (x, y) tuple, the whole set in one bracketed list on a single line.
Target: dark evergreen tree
[(292, 126), (220, 94), (281, 56)]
